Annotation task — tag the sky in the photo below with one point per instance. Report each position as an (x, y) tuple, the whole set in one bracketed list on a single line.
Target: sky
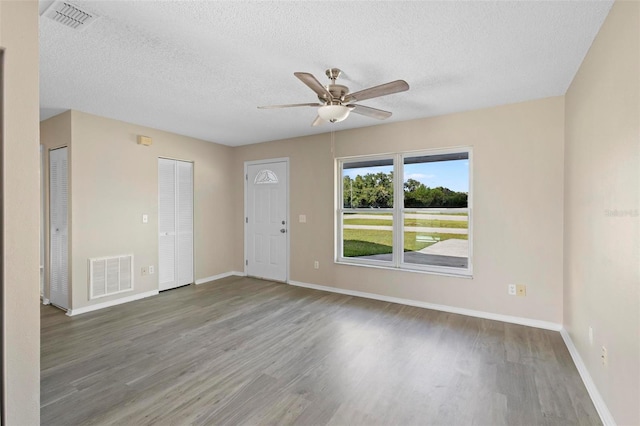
[(453, 174)]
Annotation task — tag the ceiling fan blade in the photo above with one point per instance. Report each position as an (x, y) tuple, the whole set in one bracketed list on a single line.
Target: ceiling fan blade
[(370, 112), (377, 91), (289, 106), (313, 84), (318, 121)]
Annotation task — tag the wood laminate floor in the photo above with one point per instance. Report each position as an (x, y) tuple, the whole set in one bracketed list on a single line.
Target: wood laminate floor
[(246, 351)]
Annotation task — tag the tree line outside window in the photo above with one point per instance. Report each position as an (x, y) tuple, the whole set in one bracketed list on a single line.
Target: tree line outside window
[(375, 190)]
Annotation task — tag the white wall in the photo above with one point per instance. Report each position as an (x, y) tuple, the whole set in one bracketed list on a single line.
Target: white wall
[(602, 211)]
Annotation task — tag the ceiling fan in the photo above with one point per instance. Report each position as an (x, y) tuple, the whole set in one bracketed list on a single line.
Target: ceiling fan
[(336, 103)]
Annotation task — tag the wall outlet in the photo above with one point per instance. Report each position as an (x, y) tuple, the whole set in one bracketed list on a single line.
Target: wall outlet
[(604, 356), (521, 290), (151, 270), (511, 289), (302, 218), (145, 218), (316, 265), (144, 270), (591, 335)]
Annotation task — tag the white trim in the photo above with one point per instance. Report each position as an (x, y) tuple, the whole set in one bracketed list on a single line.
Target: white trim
[(438, 270), (598, 401), (398, 211), (98, 306), (444, 308), (219, 277)]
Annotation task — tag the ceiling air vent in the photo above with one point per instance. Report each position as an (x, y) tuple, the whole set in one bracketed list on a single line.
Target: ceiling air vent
[(70, 15)]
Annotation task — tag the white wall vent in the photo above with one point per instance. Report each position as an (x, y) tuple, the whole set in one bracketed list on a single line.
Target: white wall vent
[(110, 275), (70, 15)]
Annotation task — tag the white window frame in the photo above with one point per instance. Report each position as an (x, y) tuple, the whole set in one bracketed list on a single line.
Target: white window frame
[(398, 212)]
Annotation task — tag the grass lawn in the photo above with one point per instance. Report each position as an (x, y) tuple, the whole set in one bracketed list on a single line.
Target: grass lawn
[(366, 242), (430, 223)]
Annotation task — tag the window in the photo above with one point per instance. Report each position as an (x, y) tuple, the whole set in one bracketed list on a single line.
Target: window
[(367, 210), (421, 222)]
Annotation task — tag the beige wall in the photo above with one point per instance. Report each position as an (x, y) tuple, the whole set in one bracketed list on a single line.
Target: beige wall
[(602, 174), (517, 207), (54, 133), (114, 181), (19, 38)]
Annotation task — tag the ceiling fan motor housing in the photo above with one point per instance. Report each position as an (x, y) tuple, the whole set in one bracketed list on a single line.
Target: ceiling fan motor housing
[(338, 92)]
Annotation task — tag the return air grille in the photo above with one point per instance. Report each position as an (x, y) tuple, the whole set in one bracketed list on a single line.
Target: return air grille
[(70, 15), (110, 275)]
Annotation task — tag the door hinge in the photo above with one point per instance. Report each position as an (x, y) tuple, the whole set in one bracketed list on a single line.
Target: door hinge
[(246, 220), (246, 262), (246, 177)]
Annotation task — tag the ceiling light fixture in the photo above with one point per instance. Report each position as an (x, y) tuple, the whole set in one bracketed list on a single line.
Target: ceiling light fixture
[(334, 113)]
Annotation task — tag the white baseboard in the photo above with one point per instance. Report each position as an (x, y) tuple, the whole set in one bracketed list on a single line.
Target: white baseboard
[(219, 277), (46, 301), (462, 311), (601, 407), (97, 306), (90, 308)]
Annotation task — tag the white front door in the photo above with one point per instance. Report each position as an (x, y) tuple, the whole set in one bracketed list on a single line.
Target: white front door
[(175, 223), (58, 228), (266, 221)]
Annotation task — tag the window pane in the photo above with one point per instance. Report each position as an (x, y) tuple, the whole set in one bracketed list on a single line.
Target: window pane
[(367, 236), (436, 183), (436, 228), (368, 184), (437, 238)]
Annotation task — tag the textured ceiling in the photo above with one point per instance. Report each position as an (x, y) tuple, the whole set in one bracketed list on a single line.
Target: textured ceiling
[(200, 68)]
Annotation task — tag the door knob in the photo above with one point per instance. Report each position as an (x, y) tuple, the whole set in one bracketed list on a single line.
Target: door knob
[(283, 230), (283, 222)]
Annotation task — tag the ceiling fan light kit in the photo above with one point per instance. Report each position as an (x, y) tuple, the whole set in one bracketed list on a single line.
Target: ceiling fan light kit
[(334, 113), (336, 101)]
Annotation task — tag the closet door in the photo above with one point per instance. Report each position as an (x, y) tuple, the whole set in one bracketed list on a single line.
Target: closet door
[(59, 234), (175, 223), (184, 222)]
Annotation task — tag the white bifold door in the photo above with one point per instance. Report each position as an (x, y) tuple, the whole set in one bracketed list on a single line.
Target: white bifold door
[(58, 228), (175, 223)]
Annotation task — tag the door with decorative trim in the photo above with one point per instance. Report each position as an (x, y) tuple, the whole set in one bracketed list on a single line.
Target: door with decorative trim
[(266, 226)]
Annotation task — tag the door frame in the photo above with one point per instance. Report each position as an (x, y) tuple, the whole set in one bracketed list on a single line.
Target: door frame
[(246, 199), (193, 215)]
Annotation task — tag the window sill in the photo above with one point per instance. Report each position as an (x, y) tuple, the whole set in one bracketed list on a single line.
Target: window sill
[(447, 272)]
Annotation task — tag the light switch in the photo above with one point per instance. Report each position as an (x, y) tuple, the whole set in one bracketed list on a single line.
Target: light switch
[(303, 218), (145, 218)]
